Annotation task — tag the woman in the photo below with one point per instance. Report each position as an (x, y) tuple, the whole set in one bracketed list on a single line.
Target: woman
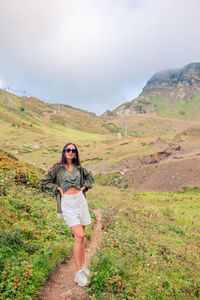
[(69, 182)]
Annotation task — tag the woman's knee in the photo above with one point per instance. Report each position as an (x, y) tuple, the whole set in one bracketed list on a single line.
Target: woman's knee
[(80, 237), (78, 233)]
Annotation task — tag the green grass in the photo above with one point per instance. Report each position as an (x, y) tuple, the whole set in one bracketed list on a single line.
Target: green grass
[(164, 107), (150, 127), (150, 247), (86, 123), (98, 203), (72, 134), (32, 240), (181, 108)]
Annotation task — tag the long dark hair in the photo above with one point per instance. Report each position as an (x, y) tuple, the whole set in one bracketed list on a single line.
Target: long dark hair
[(64, 161)]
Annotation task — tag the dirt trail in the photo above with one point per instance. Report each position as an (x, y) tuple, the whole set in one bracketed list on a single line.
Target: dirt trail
[(61, 284)]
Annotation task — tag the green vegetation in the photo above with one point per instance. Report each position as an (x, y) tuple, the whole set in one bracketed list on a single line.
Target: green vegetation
[(84, 122), (127, 104), (32, 240), (21, 173), (151, 126), (181, 108), (23, 121), (71, 134), (110, 113), (92, 159), (150, 247), (108, 179)]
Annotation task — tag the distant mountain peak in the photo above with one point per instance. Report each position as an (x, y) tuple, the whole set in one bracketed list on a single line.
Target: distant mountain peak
[(168, 93), (189, 73)]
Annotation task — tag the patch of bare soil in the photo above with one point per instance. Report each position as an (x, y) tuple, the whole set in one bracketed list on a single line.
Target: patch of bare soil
[(165, 176), (101, 166), (60, 285), (192, 132), (159, 144), (171, 169), (134, 162), (47, 115)]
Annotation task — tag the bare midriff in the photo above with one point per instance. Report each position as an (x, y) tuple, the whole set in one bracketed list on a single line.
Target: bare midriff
[(72, 191)]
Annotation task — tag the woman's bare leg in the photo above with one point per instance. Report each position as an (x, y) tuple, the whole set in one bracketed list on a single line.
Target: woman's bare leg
[(78, 248), (83, 250)]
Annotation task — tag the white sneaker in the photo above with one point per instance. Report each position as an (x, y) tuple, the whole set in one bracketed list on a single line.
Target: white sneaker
[(80, 278), (86, 270)]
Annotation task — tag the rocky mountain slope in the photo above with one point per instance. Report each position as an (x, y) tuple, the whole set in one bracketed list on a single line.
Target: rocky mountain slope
[(173, 93)]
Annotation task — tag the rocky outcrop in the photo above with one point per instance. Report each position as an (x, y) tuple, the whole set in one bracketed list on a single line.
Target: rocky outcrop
[(183, 83), (167, 89), (139, 106)]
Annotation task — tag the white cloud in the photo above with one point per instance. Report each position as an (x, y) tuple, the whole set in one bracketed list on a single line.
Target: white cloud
[(91, 53)]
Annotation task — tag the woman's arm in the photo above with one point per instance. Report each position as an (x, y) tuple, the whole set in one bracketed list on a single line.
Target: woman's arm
[(48, 182), (87, 180), (61, 191)]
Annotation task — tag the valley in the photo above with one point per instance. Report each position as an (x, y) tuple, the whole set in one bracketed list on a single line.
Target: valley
[(146, 186)]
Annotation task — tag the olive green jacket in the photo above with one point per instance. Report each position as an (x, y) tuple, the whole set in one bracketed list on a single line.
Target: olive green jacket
[(53, 179)]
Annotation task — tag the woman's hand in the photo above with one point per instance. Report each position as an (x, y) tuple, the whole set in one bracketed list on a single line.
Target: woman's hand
[(83, 188), (61, 191)]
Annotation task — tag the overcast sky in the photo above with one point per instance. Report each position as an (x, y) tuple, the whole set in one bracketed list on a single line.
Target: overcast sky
[(94, 54)]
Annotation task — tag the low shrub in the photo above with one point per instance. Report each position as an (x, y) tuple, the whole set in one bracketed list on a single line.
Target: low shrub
[(150, 246), (32, 240), (112, 178), (22, 173)]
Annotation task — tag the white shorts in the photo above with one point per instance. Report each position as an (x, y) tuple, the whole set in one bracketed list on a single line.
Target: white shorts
[(75, 209)]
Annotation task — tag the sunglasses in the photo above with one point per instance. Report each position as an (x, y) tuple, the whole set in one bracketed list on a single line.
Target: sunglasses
[(68, 150)]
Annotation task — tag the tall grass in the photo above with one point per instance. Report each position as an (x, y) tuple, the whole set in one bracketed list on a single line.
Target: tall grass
[(150, 247)]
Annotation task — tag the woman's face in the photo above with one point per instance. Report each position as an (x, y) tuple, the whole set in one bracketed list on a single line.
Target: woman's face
[(70, 152)]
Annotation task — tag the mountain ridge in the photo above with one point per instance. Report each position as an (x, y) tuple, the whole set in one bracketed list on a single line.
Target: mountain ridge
[(173, 92), (23, 111)]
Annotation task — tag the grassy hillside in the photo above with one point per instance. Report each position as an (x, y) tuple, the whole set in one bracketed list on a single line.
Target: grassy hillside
[(150, 247), (37, 138), (35, 131), (32, 240), (153, 125), (174, 93), (181, 108), (31, 112)]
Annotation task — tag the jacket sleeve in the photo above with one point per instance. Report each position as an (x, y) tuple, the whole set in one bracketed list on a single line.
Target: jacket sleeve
[(87, 179), (48, 182)]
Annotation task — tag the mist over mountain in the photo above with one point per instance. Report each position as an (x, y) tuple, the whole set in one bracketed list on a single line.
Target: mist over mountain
[(173, 92)]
